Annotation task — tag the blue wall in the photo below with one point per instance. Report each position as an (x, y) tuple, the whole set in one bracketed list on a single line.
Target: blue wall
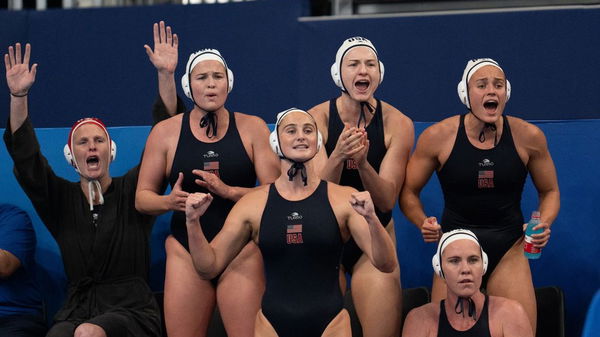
[(92, 62)]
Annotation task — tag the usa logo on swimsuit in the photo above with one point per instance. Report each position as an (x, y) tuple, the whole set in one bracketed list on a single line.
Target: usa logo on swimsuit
[(351, 164), (485, 179), (212, 167), (294, 234)]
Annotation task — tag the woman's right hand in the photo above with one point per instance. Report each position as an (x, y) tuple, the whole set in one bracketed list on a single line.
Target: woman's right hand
[(178, 197), (431, 230), (195, 206), (18, 75), (164, 56)]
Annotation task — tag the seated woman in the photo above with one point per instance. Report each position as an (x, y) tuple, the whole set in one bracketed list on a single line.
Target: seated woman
[(300, 224), (466, 311)]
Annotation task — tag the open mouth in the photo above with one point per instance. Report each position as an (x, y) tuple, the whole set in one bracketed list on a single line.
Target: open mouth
[(490, 105), (93, 161), (362, 85), (466, 281)]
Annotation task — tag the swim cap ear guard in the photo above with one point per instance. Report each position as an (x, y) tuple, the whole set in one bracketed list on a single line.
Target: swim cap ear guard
[(448, 238), (470, 69), (274, 136), (336, 68), (67, 149), (197, 57)]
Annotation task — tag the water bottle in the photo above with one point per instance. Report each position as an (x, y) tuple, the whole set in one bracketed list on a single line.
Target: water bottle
[(532, 252)]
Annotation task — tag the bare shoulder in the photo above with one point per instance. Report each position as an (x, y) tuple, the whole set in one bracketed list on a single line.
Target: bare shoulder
[(255, 197), (504, 306), (248, 121), (168, 128), (525, 130), (509, 317), (393, 114), (339, 191), (319, 109), (321, 114), (429, 311), (339, 195), (439, 134), (422, 321), (250, 124)]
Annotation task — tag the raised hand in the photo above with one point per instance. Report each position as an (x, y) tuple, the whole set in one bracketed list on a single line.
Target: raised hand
[(195, 206), (362, 204), (178, 197), (360, 155), (431, 230), (164, 55), (213, 183), (18, 75)]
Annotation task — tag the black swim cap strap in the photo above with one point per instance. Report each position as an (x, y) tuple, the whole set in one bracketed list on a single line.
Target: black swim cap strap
[(459, 307), (293, 171), (362, 113), (210, 122), (486, 126)]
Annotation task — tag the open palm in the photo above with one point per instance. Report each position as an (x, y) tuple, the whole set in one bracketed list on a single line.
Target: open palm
[(19, 77), (164, 55)]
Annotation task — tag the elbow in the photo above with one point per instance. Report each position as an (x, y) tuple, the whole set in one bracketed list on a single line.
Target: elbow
[(6, 271), (388, 267), (205, 273), (142, 206), (206, 276), (388, 205)]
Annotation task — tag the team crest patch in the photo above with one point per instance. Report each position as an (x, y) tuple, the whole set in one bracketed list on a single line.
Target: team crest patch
[(294, 234)]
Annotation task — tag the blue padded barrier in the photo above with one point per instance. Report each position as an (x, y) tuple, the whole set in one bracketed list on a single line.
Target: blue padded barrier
[(592, 321), (569, 261)]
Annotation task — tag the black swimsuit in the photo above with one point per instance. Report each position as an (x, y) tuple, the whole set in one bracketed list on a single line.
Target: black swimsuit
[(301, 244), (226, 158), (482, 192), (480, 329), (350, 175)]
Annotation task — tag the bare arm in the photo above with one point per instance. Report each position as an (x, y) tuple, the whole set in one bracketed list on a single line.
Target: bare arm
[(543, 174), (266, 163), (19, 79), (420, 167), (351, 141), (371, 236), (385, 185), (210, 259), (164, 58), (8, 264), (148, 197)]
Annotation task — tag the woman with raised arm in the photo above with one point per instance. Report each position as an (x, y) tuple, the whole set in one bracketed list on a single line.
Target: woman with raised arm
[(104, 241), (208, 149)]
